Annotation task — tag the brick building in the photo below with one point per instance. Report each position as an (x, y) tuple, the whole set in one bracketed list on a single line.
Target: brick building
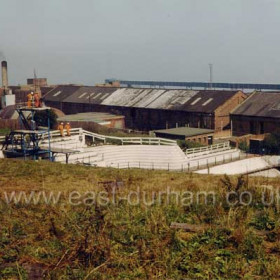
[(105, 119), (258, 114), (198, 135), (150, 109)]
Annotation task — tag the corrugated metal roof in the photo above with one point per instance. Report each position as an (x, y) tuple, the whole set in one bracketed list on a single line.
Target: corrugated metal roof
[(87, 94), (177, 99), (260, 104), (59, 93), (185, 131), (90, 117)]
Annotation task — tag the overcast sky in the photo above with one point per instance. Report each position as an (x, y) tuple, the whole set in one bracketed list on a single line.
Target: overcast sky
[(86, 41)]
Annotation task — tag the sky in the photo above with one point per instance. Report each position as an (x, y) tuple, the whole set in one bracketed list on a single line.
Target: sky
[(87, 41)]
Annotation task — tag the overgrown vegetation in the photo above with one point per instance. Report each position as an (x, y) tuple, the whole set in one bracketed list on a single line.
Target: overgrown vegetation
[(184, 145), (271, 143), (122, 241), (4, 131), (243, 146)]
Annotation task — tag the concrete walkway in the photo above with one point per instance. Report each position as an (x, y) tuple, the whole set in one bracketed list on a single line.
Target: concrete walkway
[(247, 165)]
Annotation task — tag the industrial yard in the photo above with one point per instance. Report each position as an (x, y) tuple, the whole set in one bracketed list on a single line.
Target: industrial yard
[(139, 140)]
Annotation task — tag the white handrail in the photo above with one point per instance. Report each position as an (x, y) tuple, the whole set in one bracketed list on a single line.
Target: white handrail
[(123, 140), (224, 145)]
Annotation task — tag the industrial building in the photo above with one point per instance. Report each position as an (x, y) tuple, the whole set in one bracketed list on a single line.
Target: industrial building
[(105, 119), (37, 82), (258, 114), (198, 135), (150, 109)]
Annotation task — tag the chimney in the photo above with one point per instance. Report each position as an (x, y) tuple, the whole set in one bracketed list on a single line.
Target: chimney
[(4, 67)]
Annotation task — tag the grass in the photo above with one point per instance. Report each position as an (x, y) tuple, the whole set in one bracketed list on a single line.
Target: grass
[(122, 241), (4, 131)]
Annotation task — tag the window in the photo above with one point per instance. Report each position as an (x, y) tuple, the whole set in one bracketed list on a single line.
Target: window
[(90, 95), (82, 95), (194, 102), (57, 93), (207, 102)]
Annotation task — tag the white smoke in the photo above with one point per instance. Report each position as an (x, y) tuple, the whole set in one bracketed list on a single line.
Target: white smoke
[(2, 56)]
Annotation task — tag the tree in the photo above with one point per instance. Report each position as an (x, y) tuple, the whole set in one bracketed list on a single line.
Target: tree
[(41, 118), (271, 143)]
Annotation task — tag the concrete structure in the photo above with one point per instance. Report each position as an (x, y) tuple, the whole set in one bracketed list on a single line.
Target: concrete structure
[(137, 152), (258, 166), (7, 98), (199, 135), (258, 114), (4, 69), (150, 109), (106, 119)]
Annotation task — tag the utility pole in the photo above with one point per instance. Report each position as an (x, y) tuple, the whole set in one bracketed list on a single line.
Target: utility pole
[(35, 81), (211, 75)]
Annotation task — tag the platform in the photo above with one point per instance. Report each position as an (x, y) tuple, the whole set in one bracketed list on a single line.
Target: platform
[(25, 108)]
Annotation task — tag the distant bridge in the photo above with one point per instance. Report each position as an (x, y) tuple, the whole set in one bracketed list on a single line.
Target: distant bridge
[(191, 85)]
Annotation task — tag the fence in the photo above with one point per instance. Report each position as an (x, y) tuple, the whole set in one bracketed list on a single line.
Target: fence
[(209, 149), (11, 124), (186, 166), (120, 140)]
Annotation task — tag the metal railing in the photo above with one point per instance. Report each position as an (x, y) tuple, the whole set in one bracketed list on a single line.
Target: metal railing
[(190, 166), (184, 166), (2, 139)]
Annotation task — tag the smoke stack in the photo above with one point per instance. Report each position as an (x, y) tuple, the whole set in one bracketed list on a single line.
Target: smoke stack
[(4, 67)]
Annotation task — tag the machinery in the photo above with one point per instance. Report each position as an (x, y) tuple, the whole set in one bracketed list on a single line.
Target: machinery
[(24, 143)]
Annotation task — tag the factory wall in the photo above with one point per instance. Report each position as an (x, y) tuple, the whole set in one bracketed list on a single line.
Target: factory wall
[(222, 113), (242, 125)]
